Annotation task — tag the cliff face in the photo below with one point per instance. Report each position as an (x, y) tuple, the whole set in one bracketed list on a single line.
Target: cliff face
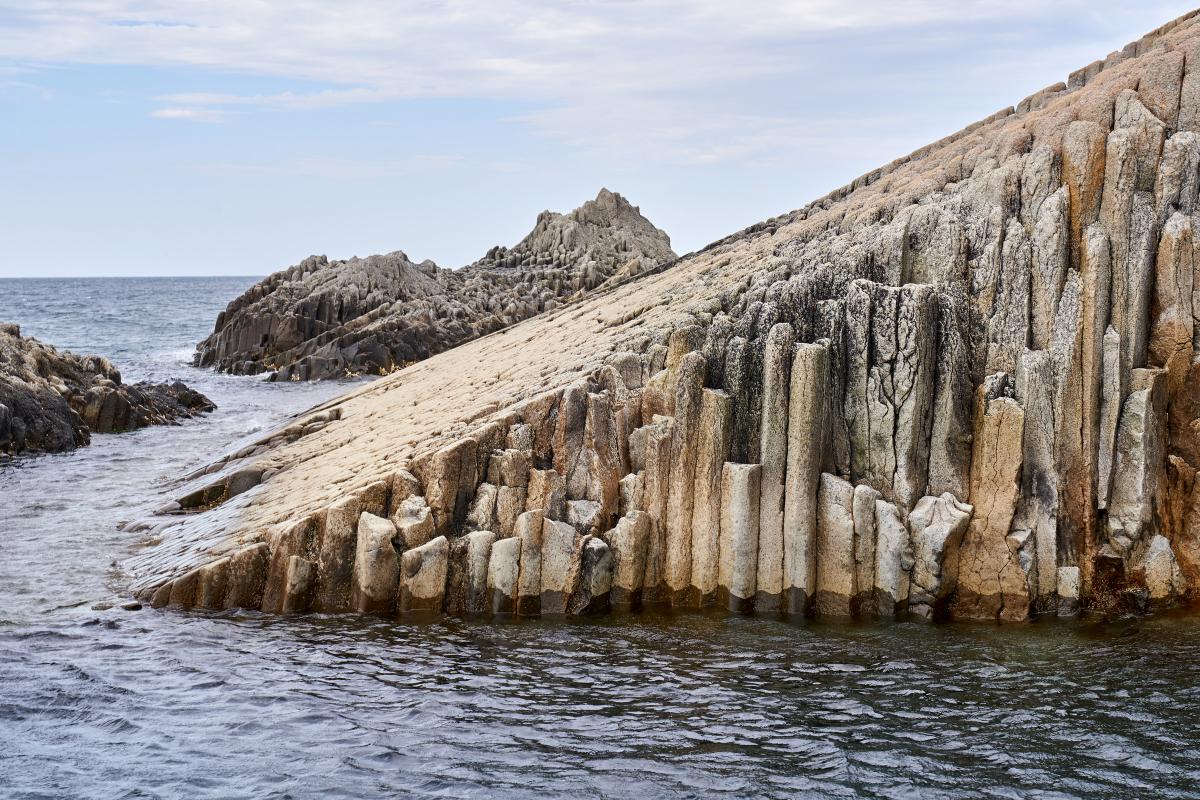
[(322, 319), (52, 400), (963, 386)]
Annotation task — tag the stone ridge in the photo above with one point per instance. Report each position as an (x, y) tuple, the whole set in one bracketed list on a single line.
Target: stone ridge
[(964, 387), (52, 400), (322, 319)]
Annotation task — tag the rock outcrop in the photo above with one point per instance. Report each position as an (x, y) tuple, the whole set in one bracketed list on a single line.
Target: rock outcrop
[(53, 400), (964, 386), (323, 319)]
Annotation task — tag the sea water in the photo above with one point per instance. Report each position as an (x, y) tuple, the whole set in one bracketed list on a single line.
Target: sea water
[(109, 703)]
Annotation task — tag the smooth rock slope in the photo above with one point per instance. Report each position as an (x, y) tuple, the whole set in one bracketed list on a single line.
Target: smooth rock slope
[(963, 386), (52, 400), (323, 319)]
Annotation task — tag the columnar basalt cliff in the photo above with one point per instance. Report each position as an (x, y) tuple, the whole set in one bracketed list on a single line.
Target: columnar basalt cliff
[(322, 319), (52, 400), (963, 386)]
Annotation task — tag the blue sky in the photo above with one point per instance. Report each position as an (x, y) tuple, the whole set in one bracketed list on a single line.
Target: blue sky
[(147, 137)]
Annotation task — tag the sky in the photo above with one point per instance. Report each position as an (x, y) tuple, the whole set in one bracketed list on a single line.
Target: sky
[(237, 137)]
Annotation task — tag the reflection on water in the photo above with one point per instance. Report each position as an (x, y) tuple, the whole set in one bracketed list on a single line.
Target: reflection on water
[(114, 703)]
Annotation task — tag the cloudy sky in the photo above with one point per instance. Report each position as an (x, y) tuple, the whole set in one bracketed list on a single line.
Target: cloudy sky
[(152, 137)]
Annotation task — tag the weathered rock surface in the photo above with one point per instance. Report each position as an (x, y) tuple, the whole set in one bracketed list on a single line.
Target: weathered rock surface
[(323, 319), (423, 576), (52, 400), (964, 386)]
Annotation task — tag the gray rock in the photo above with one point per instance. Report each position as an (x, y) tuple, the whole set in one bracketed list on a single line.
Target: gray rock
[(1068, 591), (807, 423), (595, 578), (336, 548), (835, 586), (326, 319), (712, 448), (53, 400)]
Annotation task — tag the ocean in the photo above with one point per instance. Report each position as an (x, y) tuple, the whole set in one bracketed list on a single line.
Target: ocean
[(102, 702)]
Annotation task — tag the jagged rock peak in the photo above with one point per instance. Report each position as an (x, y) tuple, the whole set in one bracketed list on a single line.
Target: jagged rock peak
[(322, 319), (608, 229)]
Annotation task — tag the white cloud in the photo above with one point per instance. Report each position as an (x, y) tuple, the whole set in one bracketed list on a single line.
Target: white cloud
[(189, 114), (702, 80), (328, 98), (42, 92)]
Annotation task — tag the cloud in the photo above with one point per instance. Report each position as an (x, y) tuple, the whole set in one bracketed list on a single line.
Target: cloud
[(338, 168), (328, 98), (189, 114), (42, 92), (702, 81)]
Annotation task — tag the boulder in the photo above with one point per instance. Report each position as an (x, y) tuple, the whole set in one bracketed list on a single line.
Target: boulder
[(893, 561), (712, 449), (595, 578), (337, 544), (504, 569), (529, 581), (807, 426), (628, 542), (423, 577), (936, 526), (376, 566), (560, 559)]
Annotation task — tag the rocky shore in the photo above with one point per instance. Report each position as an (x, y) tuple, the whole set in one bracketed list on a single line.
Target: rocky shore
[(323, 319), (52, 400), (962, 387)]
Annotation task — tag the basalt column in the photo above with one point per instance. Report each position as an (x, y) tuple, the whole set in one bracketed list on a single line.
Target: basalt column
[(807, 426), (680, 503), (777, 366), (712, 448), (740, 520)]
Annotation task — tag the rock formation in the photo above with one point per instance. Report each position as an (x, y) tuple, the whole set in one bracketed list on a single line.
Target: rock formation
[(964, 386), (322, 319), (52, 400)]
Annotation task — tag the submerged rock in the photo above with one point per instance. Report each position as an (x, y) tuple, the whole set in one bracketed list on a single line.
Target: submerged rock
[(52, 400)]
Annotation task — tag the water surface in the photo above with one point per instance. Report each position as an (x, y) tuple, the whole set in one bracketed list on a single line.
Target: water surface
[(115, 703)]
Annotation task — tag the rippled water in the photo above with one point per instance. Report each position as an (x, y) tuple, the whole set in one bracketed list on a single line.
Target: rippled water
[(114, 703)]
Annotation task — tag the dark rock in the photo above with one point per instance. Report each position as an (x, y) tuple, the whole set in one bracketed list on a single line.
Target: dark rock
[(328, 319), (52, 400)]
